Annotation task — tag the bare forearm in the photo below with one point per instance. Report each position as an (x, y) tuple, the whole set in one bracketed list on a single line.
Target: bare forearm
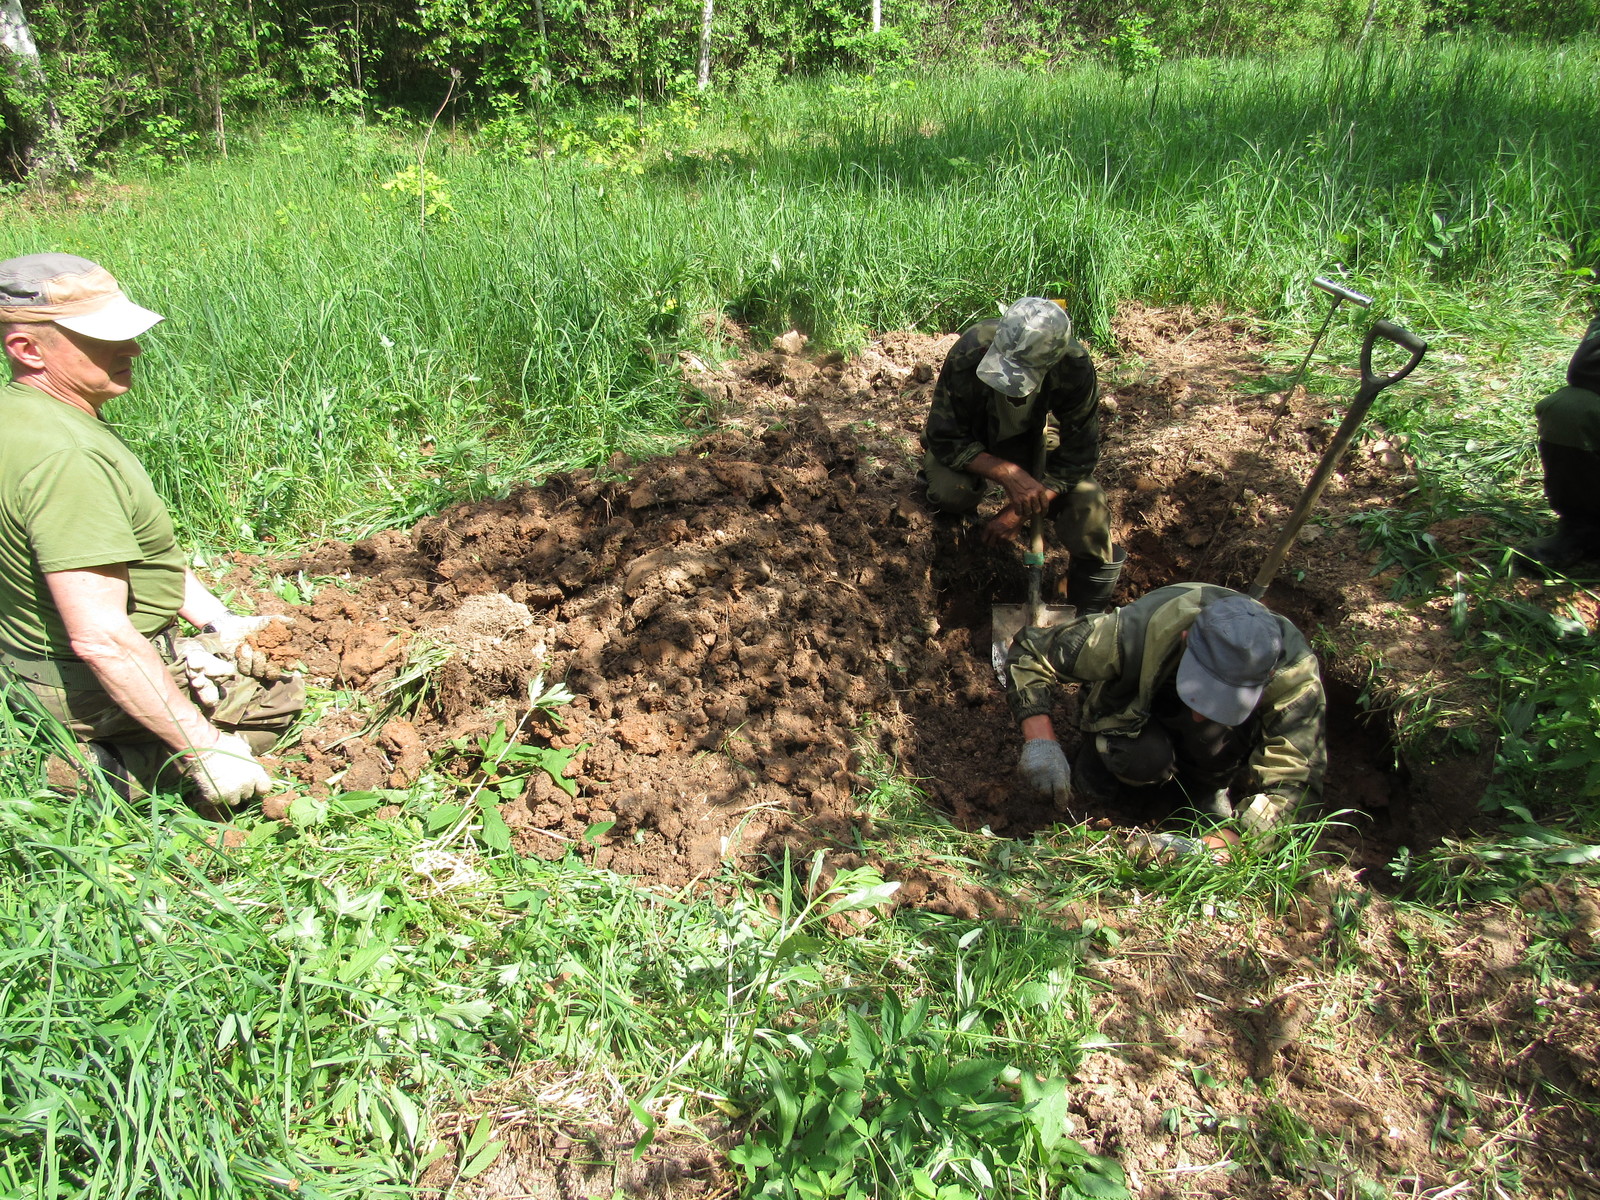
[(1037, 727), (997, 470), (200, 607), (134, 676)]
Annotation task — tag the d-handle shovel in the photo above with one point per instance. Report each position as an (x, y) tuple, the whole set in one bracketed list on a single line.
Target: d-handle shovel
[(1371, 385), (1008, 620)]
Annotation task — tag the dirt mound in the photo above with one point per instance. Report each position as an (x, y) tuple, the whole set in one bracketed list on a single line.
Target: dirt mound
[(735, 617)]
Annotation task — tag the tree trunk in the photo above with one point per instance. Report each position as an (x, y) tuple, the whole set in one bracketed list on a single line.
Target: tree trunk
[(50, 152), (706, 15), (1366, 26), (877, 15)]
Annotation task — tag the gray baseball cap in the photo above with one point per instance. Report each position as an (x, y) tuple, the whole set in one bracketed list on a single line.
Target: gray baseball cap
[(1034, 335), (72, 292), (1233, 650)]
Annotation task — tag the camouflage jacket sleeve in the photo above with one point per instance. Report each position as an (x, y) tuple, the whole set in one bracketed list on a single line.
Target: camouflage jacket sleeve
[(1084, 651), (957, 427), (1072, 391), (1584, 369), (1291, 756)]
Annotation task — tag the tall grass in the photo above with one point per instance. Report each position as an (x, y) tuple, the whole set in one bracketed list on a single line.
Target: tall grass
[(334, 363)]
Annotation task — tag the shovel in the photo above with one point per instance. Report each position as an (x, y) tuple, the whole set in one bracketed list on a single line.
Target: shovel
[(1008, 620), (1371, 385)]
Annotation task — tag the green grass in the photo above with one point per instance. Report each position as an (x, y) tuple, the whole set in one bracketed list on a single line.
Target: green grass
[(333, 365)]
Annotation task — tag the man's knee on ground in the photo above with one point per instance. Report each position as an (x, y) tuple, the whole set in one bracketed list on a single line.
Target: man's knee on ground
[(952, 491), (1140, 761), (1083, 521)]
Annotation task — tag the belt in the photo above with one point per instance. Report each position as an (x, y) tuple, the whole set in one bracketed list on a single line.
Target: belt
[(73, 674)]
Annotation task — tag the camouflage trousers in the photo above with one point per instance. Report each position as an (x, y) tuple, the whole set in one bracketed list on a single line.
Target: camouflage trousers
[(260, 711), (1081, 515)]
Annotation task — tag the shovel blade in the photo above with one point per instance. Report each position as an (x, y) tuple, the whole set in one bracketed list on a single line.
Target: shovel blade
[(1008, 620)]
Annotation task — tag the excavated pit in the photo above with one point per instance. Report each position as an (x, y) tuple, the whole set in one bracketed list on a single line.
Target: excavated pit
[(738, 619)]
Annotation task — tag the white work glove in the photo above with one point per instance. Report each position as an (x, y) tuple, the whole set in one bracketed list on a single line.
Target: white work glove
[(1264, 812), (1043, 767), (202, 670), (256, 664), (228, 773), (1148, 847), (231, 630)]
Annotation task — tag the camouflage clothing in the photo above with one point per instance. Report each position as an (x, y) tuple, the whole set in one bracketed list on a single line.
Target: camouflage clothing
[(1129, 657), (968, 417)]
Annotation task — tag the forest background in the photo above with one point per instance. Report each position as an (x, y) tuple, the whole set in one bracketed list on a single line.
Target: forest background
[(89, 75)]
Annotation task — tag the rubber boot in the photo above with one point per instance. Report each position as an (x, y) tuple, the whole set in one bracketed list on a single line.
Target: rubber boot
[(1091, 582), (1571, 545), (115, 772)]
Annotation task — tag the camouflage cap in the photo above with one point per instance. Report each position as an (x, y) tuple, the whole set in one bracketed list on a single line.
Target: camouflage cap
[(1232, 651), (1034, 335), (72, 292)]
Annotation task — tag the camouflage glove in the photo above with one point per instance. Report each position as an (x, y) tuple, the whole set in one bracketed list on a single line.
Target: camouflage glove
[(1043, 767), (228, 773)]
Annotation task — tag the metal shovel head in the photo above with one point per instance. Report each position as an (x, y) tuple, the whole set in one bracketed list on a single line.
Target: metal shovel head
[(1008, 620)]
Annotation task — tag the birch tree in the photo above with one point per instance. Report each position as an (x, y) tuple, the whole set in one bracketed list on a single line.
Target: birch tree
[(51, 152), (706, 16)]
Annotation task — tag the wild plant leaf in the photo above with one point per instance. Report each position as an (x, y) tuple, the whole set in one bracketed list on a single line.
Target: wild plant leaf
[(480, 1162), (1573, 855), (973, 1076), (598, 830), (493, 832), (799, 943), (467, 1014), (442, 817), (865, 897), (352, 804), (307, 811), (864, 1045)]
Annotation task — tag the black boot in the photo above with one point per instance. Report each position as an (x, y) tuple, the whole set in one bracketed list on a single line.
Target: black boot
[(1572, 545), (1091, 582)]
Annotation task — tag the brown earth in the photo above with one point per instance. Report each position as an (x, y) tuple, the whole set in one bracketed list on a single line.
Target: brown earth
[(736, 619)]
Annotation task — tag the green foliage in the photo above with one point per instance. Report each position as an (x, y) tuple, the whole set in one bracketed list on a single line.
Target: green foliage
[(890, 1107), (1132, 50), (115, 68)]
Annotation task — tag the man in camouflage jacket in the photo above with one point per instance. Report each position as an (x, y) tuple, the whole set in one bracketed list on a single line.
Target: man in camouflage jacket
[(1002, 383), (1191, 682), (1569, 450)]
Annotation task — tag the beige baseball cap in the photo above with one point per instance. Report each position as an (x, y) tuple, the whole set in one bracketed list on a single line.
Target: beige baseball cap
[(71, 292)]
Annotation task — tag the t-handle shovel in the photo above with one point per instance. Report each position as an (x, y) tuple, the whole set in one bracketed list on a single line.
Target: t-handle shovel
[(1371, 385), (1008, 620)]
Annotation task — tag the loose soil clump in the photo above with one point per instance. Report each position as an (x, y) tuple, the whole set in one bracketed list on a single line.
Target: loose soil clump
[(738, 619)]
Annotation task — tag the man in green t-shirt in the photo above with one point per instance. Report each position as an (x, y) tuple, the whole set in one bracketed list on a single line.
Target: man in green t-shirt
[(91, 577)]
